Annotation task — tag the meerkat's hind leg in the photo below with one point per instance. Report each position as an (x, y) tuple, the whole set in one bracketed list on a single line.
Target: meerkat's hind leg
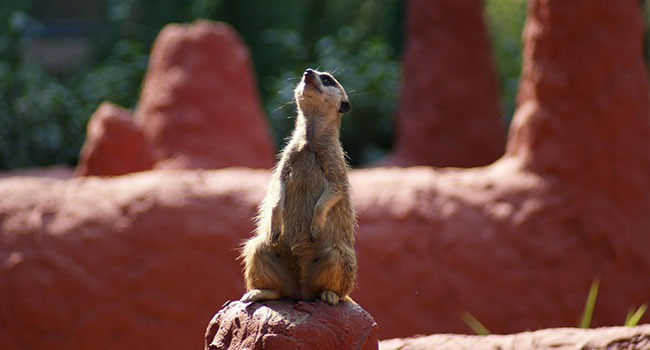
[(330, 277), (329, 297), (254, 295), (265, 272)]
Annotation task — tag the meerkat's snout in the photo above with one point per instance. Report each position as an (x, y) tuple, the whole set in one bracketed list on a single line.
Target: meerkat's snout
[(309, 75), (310, 78)]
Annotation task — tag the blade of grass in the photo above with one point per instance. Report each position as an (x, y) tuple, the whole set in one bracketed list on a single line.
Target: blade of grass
[(633, 318), (585, 320), (474, 324), (628, 316)]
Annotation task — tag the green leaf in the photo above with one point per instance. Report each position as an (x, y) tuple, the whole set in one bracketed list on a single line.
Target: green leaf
[(474, 324), (633, 318), (585, 321)]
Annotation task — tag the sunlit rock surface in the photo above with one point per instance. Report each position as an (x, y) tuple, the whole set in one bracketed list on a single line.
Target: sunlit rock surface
[(284, 324)]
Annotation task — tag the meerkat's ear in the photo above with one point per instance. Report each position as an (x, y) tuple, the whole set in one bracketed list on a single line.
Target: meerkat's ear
[(344, 107)]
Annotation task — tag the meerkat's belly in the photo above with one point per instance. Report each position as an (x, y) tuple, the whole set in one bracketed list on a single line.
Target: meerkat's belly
[(304, 187)]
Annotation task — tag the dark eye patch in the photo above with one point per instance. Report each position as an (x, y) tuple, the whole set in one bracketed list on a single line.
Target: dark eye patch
[(327, 80)]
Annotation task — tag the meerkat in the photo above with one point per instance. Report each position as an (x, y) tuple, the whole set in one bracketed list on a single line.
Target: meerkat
[(303, 246)]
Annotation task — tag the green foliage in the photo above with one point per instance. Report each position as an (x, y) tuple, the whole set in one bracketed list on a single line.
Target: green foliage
[(474, 324), (351, 40), (585, 320), (43, 113), (505, 24), (633, 317)]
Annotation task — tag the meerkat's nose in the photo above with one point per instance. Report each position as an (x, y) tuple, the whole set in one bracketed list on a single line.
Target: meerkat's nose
[(309, 71)]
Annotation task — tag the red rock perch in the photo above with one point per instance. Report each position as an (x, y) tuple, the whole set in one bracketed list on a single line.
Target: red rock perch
[(284, 324)]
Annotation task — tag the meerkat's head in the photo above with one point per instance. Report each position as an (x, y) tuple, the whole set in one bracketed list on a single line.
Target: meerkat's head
[(320, 94)]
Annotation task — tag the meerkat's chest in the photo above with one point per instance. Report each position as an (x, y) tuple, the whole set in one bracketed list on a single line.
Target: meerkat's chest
[(305, 173)]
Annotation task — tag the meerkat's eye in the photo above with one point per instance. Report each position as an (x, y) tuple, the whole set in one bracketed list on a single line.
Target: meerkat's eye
[(327, 80)]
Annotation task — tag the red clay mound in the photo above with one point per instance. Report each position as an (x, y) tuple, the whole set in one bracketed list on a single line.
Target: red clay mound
[(199, 108), (449, 106), (283, 324), (615, 338), (137, 261), (114, 144), (155, 253), (518, 243)]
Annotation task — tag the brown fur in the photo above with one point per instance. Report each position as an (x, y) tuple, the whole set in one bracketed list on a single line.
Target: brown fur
[(303, 247)]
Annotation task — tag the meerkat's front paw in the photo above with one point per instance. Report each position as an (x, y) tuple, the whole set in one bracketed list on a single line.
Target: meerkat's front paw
[(316, 228), (329, 297), (275, 235), (276, 224), (254, 295), (317, 223), (276, 231), (314, 232)]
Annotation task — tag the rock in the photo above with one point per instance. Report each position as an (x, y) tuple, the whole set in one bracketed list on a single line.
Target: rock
[(199, 108), (619, 338), (449, 111), (114, 144), (284, 324)]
